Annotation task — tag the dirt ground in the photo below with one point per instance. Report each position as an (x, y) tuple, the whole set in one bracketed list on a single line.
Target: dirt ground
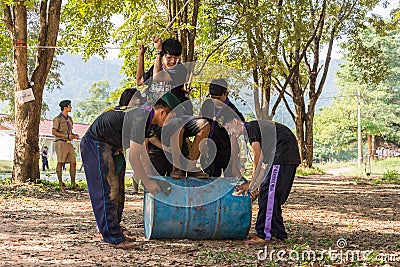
[(46, 227)]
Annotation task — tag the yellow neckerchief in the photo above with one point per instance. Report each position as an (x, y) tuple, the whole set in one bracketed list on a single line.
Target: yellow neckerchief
[(119, 108)]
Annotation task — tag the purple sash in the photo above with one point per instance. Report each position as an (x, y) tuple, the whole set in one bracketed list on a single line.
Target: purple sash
[(271, 200)]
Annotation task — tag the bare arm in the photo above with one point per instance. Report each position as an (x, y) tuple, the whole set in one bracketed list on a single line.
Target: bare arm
[(140, 67), (256, 167), (137, 166), (158, 74), (155, 141)]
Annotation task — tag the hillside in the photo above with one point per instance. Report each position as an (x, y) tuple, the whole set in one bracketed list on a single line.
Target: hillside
[(329, 91), (78, 76)]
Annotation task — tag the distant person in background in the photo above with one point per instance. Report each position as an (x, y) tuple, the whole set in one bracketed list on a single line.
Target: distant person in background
[(45, 160), (62, 130)]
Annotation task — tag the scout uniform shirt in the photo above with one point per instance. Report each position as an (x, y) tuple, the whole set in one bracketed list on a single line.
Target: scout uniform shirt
[(63, 125)]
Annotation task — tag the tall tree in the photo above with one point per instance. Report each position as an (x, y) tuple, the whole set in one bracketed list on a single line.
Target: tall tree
[(328, 19), (372, 67), (6, 57), (27, 115)]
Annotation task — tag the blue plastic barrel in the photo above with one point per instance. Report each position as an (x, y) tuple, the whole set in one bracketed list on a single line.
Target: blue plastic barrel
[(197, 209)]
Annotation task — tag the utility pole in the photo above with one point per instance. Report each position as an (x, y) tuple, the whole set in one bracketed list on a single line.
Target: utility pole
[(360, 157)]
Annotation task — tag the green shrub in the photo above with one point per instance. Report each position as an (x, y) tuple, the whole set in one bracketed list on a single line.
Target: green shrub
[(391, 176)]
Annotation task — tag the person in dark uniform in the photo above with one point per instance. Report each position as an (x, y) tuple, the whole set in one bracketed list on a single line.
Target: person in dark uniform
[(104, 165), (273, 144), (45, 158), (169, 75), (137, 128), (215, 110)]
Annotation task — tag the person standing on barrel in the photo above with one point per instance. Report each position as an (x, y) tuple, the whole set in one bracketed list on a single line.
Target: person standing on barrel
[(276, 157), (169, 75)]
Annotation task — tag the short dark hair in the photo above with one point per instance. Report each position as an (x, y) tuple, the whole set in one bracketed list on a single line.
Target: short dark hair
[(64, 104), (126, 96), (218, 87), (162, 104), (172, 47)]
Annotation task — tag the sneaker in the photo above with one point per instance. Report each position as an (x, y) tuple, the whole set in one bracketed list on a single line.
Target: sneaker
[(177, 174), (197, 174)]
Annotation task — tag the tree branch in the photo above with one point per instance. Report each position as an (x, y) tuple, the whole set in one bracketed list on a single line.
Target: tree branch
[(217, 47), (8, 20)]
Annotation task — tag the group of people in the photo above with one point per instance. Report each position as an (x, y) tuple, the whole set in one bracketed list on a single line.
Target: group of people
[(384, 153), (154, 128)]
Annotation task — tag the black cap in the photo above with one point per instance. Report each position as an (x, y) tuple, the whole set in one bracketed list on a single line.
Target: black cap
[(218, 87), (64, 103)]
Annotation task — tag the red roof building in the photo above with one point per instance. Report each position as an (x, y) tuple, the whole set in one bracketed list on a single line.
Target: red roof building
[(7, 135)]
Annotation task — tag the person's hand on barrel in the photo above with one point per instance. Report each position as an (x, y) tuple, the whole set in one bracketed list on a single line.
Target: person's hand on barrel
[(243, 188)]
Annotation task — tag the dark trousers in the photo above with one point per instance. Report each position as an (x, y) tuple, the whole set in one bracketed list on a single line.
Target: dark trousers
[(45, 164), (219, 164), (106, 187), (274, 192)]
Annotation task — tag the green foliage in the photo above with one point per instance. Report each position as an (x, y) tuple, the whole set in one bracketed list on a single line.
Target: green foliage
[(391, 176), (6, 166), (90, 108), (372, 69), (88, 27), (6, 57)]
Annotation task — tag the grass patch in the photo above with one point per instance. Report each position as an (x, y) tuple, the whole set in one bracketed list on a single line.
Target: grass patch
[(6, 166), (375, 169), (214, 257), (303, 171), (390, 176)]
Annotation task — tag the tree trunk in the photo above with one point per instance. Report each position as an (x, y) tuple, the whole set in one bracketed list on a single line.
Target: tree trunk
[(369, 141), (25, 150), (309, 142), (298, 101), (373, 148), (27, 115)]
